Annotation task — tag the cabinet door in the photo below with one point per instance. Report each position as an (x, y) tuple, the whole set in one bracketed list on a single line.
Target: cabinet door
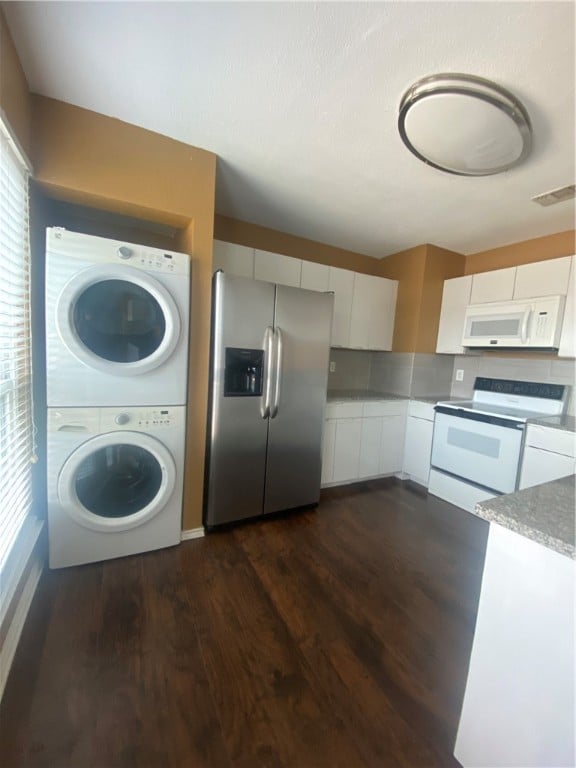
[(347, 449), (543, 278), (568, 336), (277, 268), (382, 328), (455, 299), (314, 276), (364, 311), (370, 447), (540, 466), (497, 285), (418, 449), (233, 259), (328, 443), (341, 281), (373, 309), (392, 444)]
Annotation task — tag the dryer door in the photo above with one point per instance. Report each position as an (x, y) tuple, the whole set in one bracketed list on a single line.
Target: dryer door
[(118, 319), (116, 481)]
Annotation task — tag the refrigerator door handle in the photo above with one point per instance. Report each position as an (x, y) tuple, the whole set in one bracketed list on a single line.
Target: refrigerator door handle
[(268, 347), (276, 402)]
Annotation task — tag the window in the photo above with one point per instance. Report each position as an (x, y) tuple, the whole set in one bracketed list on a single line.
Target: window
[(16, 425)]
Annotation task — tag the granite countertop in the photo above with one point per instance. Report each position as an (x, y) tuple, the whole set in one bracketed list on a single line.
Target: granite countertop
[(343, 395), (544, 513), (565, 422)]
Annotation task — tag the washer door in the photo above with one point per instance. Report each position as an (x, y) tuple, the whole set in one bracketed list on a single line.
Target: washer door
[(118, 319), (116, 481)]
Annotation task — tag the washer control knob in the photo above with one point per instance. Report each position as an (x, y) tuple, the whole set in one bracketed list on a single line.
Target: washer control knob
[(124, 252), (122, 418)]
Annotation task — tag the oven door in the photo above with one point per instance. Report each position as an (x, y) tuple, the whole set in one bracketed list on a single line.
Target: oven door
[(478, 448)]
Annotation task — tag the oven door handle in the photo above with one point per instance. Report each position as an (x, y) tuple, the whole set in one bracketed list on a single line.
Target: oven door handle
[(460, 413)]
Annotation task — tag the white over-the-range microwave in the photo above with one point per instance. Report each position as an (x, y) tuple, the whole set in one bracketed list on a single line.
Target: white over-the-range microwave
[(528, 323)]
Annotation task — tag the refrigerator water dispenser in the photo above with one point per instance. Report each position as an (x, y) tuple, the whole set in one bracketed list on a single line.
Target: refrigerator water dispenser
[(244, 372)]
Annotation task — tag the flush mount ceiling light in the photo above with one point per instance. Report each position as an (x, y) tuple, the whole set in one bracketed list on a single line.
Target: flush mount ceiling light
[(464, 125)]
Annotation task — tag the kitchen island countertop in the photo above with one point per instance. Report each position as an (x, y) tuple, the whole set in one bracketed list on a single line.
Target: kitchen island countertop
[(543, 513)]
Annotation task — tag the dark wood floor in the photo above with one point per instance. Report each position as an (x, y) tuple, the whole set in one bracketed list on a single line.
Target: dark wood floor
[(337, 637)]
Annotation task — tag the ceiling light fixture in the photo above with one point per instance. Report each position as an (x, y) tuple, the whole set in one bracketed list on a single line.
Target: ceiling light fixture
[(464, 125)]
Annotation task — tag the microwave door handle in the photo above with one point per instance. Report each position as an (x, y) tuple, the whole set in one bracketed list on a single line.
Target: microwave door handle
[(265, 405), (524, 330), (279, 354)]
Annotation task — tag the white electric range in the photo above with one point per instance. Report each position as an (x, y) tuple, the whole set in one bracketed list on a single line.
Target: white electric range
[(477, 444)]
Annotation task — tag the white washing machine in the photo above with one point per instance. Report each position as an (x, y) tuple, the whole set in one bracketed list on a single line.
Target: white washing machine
[(117, 318), (115, 478)]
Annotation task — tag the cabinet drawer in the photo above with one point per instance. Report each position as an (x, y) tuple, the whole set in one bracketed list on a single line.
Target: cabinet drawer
[(421, 410), (344, 410), (549, 439), (384, 408)]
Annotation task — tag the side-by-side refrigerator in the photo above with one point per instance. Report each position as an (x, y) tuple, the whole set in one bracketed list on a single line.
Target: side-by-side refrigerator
[(269, 370)]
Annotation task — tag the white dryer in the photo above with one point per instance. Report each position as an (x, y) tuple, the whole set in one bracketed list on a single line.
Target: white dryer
[(116, 322), (115, 479)]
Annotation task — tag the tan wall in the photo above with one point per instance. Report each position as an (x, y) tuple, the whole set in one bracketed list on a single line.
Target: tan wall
[(524, 252), (86, 158), (408, 267), (14, 93), (254, 236), (441, 265)]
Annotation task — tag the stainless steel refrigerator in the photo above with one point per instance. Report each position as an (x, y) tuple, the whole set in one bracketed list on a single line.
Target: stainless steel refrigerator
[(269, 370)]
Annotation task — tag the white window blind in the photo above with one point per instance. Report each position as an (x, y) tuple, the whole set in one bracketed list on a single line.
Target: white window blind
[(16, 424)]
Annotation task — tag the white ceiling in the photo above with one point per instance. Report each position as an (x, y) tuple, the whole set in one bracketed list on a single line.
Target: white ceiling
[(300, 101)]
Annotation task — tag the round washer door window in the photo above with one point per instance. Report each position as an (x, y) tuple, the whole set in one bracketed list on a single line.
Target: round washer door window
[(118, 320), (117, 481)]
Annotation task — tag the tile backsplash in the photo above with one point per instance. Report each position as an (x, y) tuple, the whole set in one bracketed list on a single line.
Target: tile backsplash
[(553, 371), (418, 374), (399, 373)]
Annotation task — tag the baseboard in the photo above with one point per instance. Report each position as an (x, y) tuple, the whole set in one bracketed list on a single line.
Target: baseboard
[(21, 580), (192, 533)]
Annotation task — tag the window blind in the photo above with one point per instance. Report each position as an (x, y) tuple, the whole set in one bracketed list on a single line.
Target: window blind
[(16, 424)]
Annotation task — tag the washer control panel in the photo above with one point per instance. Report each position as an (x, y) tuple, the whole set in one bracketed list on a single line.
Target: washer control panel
[(78, 421), (140, 419)]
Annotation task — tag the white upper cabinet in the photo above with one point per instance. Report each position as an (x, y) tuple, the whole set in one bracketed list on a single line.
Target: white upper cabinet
[(542, 278), (277, 268), (373, 309), (233, 259), (315, 277), (568, 337), (497, 285), (341, 281), (455, 299)]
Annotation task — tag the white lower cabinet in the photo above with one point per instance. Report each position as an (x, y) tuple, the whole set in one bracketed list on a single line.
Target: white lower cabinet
[(328, 446), (418, 443), (347, 450), (548, 455), (362, 439)]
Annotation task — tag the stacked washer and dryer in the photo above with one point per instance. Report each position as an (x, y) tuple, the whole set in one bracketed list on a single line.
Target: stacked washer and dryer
[(116, 370)]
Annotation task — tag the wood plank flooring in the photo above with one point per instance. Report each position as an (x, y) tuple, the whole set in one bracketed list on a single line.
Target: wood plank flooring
[(327, 638)]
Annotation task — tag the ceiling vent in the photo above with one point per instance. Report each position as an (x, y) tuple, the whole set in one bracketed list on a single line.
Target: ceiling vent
[(556, 195)]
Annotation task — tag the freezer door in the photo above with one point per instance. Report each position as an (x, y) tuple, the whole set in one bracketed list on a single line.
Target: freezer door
[(238, 427), (302, 325)]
